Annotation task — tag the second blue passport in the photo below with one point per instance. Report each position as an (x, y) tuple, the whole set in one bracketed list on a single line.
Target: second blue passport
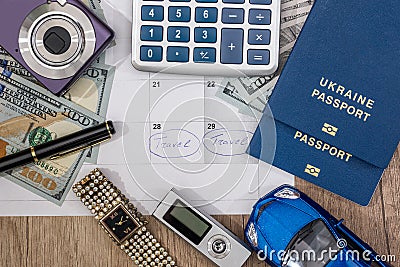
[(336, 104)]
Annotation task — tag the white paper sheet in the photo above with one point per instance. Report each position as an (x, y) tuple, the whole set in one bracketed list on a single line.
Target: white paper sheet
[(171, 132)]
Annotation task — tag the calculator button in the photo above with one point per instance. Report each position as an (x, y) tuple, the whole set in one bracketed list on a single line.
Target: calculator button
[(233, 1), (151, 33), (261, 2), (232, 46), (179, 13), (260, 16), (177, 54), (232, 15), (206, 14), (259, 37), (152, 13), (206, 1), (204, 55), (205, 35), (257, 57), (150, 53), (178, 34)]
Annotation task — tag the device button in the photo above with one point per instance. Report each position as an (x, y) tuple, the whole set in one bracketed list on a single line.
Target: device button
[(179, 0), (259, 37), (179, 13), (232, 15), (206, 14), (257, 57), (231, 46), (261, 2), (205, 35), (151, 53), (151, 33), (219, 246), (177, 54), (260, 16), (178, 34), (204, 55), (206, 1), (233, 1), (152, 13)]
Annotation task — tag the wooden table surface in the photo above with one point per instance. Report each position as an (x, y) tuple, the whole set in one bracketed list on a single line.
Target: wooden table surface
[(78, 241)]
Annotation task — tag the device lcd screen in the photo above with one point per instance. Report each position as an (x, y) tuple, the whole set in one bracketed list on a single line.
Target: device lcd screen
[(187, 222)]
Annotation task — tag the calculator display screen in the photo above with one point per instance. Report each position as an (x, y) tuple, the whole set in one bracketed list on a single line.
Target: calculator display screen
[(188, 222)]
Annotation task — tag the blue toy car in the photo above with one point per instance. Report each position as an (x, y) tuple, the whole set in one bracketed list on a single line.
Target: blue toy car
[(287, 228)]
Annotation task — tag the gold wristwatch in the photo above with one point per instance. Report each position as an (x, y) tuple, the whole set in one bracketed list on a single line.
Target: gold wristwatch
[(121, 221)]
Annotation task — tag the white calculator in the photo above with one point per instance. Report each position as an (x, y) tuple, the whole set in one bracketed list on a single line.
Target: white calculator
[(206, 37)]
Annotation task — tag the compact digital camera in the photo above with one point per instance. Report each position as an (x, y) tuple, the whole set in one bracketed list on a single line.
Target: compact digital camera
[(55, 40)]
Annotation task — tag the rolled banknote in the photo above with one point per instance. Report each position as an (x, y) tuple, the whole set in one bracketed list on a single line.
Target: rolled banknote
[(30, 115)]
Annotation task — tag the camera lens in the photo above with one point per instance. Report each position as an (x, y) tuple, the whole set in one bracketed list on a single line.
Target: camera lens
[(57, 40)]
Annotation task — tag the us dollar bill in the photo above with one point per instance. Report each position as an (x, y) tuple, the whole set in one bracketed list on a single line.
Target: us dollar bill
[(29, 116), (253, 90), (91, 91)]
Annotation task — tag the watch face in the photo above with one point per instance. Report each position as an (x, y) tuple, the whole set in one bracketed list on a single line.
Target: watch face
[(120, 223)]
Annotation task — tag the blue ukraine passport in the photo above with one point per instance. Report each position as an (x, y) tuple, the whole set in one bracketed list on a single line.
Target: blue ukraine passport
[(336, 105)]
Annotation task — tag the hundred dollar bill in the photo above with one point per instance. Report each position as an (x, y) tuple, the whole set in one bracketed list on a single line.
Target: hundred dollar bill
[(29, 116), (293, 17), (91, 91)]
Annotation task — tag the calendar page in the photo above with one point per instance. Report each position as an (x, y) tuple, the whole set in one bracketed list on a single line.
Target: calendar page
[(172, 132)]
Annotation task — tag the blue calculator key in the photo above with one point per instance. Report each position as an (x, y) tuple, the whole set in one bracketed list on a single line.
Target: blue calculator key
[(206, 1), (206, 14), (259, 37), (177, 54), (260, 16), (205, 35), (233, 15), (179, 13), (261, 2), (231, 46), (151, 53), (233, 1), (152, 13), (257, 57), (204, 55), (151, 33), (178, 34)]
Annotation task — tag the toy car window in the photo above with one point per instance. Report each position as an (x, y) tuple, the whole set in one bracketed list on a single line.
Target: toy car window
[(310, 247)]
